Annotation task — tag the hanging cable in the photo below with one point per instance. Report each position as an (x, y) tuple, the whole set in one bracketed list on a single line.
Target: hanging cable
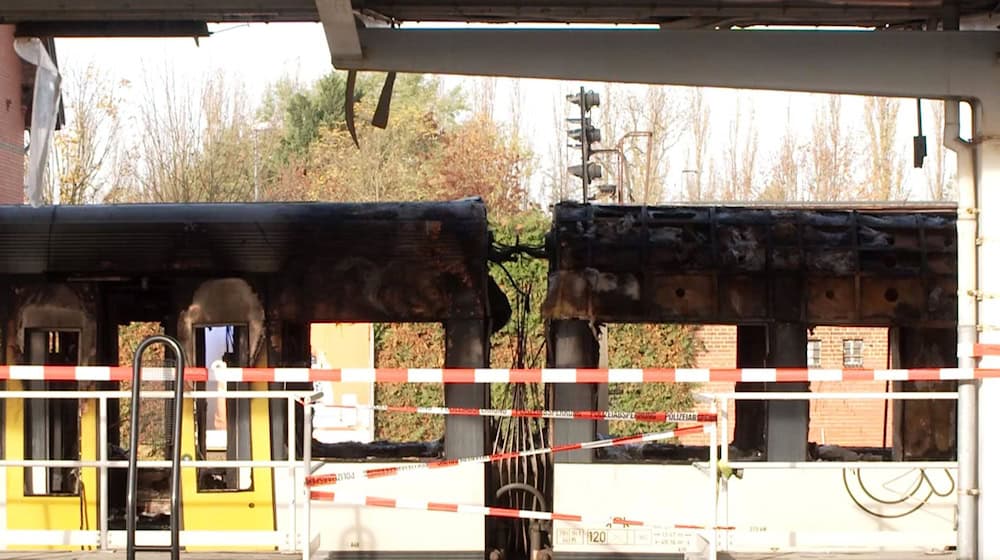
[(501, 252)]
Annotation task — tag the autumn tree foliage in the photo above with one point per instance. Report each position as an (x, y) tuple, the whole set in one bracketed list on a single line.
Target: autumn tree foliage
[(478, 158), (782, 180), (87, 163)]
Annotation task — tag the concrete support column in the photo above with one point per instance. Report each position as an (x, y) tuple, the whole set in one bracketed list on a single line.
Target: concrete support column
[(987, 484), (787, 421), (572, 344), (466, 346)]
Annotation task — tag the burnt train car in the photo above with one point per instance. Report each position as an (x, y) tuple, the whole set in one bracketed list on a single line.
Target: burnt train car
[(71, 276)]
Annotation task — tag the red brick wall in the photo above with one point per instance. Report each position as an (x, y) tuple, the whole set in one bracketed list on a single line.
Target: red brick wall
[(11, 121), (851, 422), (841, 422), (719, 351)]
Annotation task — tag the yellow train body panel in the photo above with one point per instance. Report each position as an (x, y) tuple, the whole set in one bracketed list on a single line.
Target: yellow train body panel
[(50, 512), (249, 510)]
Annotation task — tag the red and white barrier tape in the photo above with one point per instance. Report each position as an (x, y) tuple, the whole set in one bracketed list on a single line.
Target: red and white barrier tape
[(664, 416), (382, 375), (984, 350), (325, 479), (420, 505)]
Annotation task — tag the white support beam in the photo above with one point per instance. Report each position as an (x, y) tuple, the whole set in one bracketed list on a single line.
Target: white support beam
[(340, 28), (929, 64), (988, 197)]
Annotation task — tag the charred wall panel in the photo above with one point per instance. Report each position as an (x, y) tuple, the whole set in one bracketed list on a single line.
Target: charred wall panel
[(706, 264)]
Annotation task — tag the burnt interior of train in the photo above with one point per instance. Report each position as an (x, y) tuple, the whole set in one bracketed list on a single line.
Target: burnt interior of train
[(775, 273), (259, 275)]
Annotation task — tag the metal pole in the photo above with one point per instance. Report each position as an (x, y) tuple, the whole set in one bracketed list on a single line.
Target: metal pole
[(307, 461), (722, 413), (713, 475), (967, 421), (175, 483), (102, 455), (585, 144), (292, 473)]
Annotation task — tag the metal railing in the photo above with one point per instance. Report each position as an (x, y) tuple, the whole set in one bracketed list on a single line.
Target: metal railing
[(175, 448), (101, 539)]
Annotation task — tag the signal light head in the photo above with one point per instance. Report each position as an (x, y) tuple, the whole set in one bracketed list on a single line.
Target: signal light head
[(593, 134), (594, 170), (590, 99)]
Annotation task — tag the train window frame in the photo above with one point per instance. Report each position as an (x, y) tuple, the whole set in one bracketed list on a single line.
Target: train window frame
[(235, 479), (66, 478)]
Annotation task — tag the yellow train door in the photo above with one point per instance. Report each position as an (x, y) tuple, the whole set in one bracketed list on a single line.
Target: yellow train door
[(227, 499), (49, 498)]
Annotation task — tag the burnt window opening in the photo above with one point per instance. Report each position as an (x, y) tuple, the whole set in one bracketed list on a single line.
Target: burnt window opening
[(646, 345), (343, 426), (343, 413), (409, 345), (153, 490), (52, 426), (223, 424), (153, 433)]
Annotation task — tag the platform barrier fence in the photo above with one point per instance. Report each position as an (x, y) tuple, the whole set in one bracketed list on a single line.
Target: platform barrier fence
[(710, 535)]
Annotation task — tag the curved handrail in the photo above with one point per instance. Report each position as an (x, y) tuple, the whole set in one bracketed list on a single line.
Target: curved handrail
[(175, 460)]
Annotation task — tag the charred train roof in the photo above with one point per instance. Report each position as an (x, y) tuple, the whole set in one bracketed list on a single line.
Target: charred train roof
[(827, 265), (261, 238)]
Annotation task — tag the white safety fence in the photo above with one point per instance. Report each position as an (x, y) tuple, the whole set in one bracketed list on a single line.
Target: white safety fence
[(106, 539), (726, 527), (827, 518)]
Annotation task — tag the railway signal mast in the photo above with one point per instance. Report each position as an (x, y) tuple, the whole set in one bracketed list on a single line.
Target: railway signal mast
[(585, 135)]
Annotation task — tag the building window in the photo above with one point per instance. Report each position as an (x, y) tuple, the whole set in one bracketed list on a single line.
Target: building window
[(814, 353), (854, 353)]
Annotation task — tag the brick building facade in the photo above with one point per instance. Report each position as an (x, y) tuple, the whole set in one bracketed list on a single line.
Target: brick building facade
[(853, 423), (11, 121)]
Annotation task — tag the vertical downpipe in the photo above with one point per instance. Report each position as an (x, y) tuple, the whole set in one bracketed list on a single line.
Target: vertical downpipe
[(968, 437)]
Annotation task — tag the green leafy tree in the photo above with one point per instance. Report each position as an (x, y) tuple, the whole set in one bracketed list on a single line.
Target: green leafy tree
[(87, 157), (307, 112), (391, 164)]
